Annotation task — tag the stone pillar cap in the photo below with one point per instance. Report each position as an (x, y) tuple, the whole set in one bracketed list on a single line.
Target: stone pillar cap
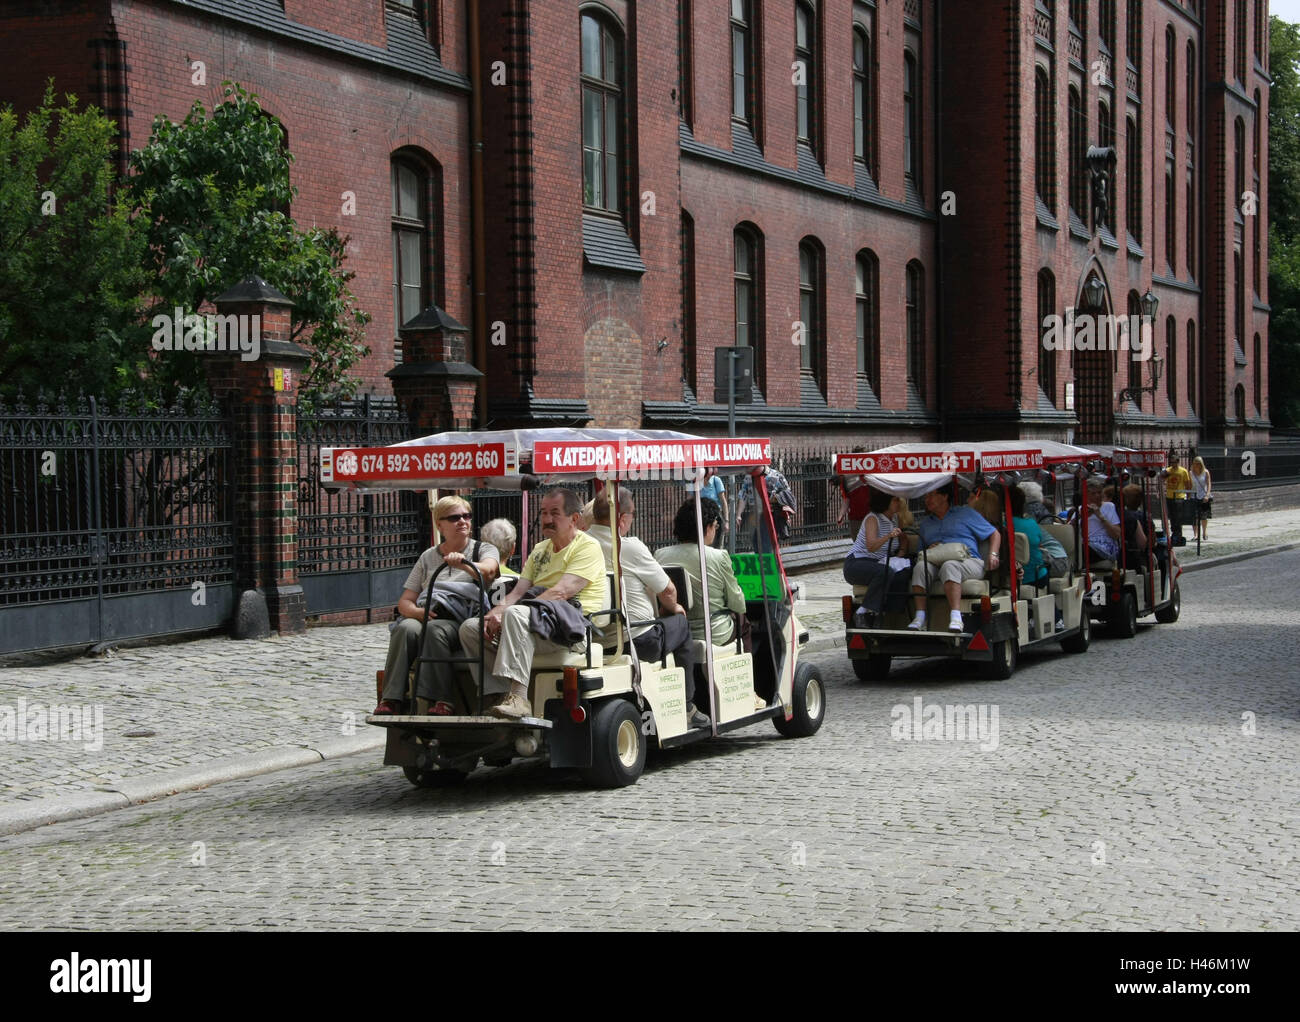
[(253, 289), (434, 318)]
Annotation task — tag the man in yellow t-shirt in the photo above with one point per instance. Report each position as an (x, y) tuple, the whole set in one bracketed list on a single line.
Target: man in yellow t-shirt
[(566, 564), (1178, 485)]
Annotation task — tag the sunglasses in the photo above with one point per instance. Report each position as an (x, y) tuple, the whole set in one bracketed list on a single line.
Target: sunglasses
[(456, 518)]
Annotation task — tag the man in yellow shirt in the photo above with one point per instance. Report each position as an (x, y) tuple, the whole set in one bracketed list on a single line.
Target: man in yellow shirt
[(566, 564), (1178, 486)]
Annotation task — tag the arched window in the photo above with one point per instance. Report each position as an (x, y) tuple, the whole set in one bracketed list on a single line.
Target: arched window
[(744, 57), (1046, 312), (1239, 298), (602, 114), (1106, 24), (868, 318), (1133, 174), (1239, 402), (1171, 219), (1105, 124), (864, 92), (915, 299), (1171, 363), (1171, 76), (1193, 358), (1134, 43), (1135, 322), (1190, 100), (806, 87), (1191, 224), (1239, 162), (412, 180), (690, 356), (1044, 140), (1078, 181), (911, 120), (812, 296)]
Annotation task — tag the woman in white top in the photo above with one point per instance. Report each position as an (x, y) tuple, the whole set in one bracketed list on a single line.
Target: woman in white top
[(879, 539), (1201, 493)]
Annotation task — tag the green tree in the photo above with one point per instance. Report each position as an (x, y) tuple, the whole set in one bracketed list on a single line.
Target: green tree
[(71, 264), (214, 190), (1284, 224)]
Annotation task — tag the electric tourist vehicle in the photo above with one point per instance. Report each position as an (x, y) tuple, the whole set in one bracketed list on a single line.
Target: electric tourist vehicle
[(597, 707), (1001, 617)]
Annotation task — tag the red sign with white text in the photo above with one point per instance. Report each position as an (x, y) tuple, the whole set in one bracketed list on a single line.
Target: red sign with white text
[(394, 464), (639, 458), (1139, 459), (902, 464), (1010, 461)]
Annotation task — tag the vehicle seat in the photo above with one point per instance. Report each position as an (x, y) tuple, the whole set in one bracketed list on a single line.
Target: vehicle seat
[(1064, 534), (970, 586)]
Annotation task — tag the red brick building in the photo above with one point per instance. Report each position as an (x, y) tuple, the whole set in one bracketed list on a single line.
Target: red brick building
[(883, 199)]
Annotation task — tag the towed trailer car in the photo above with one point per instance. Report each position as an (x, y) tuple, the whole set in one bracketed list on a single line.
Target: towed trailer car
[(596, 707), (1123, 592), (1000, 616)]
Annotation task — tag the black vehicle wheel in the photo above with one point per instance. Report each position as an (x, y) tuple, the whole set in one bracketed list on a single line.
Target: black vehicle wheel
[(1124, 616), (809, 699), (1168, 614), (444, 778), (1003, 664), (1078, 642), (618, 747), (874, 668)]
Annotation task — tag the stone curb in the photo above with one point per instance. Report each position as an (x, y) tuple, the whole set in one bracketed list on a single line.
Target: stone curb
[(23, 816)]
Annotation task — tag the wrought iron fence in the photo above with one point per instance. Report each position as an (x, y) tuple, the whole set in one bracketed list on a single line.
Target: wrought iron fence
[(102, 505)]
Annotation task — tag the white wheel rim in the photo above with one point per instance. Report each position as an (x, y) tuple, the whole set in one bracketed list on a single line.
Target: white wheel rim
[(812, 699), (628, 742)]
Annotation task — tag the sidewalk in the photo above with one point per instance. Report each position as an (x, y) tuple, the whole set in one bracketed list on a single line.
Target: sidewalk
[(159, 719)]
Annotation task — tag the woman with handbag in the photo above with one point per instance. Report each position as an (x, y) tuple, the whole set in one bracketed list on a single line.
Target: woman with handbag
[(1202, 493), (880, 544), (455, 598)]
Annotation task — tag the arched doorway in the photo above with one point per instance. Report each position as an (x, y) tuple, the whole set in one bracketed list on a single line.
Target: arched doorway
[(1093, 370)]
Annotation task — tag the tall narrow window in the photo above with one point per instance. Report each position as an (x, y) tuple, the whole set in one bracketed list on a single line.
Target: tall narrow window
[(1257, 368), (1135, 317), (1134, 40), (1106, 23), (911, 120), (805, 56), (811, 288), (1105, 125), (1171, 363), (1260, 20), (602, 115), (1044, 140), (1239, 34), (686, 63), (1133, 173), (915, 298), (868, 300), (1171, 220), (1192, 359), (1079, 19), (745, 276), (863, 98), (1239, 298), (1078, 180), (689, 341), (1190, 99), (412, 243), (742, 63), (1191, 224), (1046, 312), (1171, 76), (1239, 163)]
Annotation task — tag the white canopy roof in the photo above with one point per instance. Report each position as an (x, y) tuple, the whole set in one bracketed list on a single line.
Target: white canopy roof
[(914, 484)]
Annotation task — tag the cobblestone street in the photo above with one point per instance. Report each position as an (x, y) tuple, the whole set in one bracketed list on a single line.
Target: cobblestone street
[(1148, 784)]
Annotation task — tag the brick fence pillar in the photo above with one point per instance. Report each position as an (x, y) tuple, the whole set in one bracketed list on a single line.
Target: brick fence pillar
[(261, 392), (435, 383)]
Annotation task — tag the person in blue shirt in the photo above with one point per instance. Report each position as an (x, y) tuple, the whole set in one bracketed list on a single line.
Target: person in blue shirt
[(1035, 572), (947, 524)]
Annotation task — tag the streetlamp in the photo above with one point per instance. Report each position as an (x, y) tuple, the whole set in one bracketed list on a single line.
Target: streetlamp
[(1148, 303), (1094, 293)]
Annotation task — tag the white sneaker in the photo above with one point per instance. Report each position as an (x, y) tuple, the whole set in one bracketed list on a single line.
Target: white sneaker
[(954, 621), (918, 622)]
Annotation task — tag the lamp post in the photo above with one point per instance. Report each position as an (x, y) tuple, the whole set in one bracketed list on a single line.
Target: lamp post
[(1148, 303)]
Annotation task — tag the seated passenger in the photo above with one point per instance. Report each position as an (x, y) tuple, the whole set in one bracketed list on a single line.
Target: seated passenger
[(1034, 573), (1035, 507), (1103, 523), (1139, 533), (567, 566), (1058, 561), (644, 582), (725, 595), (500, 532), (951, 525), (435, 681), (880, 540), (988, 502)]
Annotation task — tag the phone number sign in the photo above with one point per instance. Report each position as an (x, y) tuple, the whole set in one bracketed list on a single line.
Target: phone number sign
[(397, 464)]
